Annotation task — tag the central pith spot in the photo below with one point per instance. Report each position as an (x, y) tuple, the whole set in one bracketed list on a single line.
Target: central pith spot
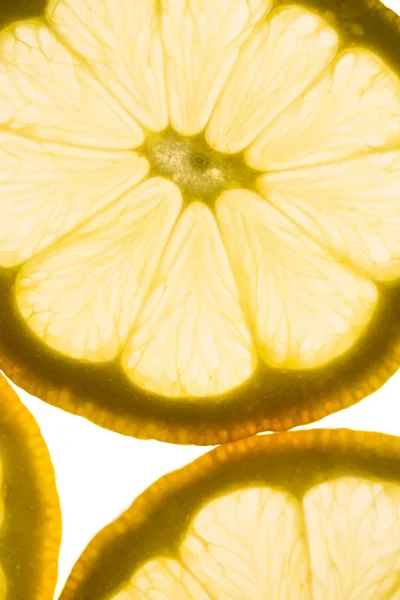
[(200, 172)]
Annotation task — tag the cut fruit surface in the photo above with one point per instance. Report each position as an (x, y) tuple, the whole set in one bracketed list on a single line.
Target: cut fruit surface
[(121, 43), (192, 320), (202, 41), (330, 211), (48, 93), (49, 189), (358, 102), (292, 287), (310, 515), (263, 82), (199, 211), (103, 276), (30, 515)]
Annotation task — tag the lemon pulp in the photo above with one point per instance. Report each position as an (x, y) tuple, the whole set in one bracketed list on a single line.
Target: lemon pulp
[(200, 208), (312, 515)]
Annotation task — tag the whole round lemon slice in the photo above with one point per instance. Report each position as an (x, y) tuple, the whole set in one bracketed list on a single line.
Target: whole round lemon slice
[(310, 515), (200, 211), (30, 516)]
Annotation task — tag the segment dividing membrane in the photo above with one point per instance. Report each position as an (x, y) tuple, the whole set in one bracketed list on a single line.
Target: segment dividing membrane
[(192, 321), (341, 540), (200, 198), (307, 515)]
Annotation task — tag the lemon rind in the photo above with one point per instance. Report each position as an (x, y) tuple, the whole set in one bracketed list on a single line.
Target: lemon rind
[(203, 474)]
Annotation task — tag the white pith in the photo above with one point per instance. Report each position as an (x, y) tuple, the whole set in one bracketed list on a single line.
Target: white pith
[(109, 268)]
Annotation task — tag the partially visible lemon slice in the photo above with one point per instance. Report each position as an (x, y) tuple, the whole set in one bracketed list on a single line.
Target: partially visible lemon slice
[(199, 208), (30, 515), (309, 515)]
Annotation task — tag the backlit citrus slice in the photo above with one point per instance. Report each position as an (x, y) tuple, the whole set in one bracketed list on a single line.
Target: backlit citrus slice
[(30, 516), (309, 515), (199, 211)]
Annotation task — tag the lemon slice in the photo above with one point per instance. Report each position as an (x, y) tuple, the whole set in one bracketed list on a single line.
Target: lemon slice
[(311, 514), (30, 516), (199, 208)]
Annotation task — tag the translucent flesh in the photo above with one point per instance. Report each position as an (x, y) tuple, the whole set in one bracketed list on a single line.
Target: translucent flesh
[(121, 42), (192, 321), (312, 515), (322, 126), (48, 93), (351, 208), (46, 190), (340, 542), (202, 41), (305, 307), (353, 108), (263, 80), (107, 264)]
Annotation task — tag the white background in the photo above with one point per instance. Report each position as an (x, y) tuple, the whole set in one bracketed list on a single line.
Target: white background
[(99, 473)]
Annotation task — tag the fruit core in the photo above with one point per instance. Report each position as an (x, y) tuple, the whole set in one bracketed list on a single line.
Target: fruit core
[(201, 172)]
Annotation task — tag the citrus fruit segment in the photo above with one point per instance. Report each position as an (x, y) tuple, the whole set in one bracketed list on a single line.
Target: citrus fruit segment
[(309, 514), (263, 81), (354, 109), (239, 270), (48, 189), (292, 287), (121, 42), (46, 92), (202, 41), (104, 263), (30, 516), (350, 207), (192, 320)]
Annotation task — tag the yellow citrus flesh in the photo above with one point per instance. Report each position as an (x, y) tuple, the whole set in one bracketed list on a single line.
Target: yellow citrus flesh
[(312, 515), (193, 324), (30, 516), (199, 211)]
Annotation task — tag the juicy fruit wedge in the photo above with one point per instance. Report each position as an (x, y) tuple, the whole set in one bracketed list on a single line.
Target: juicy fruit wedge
[(199, 210), (30, 516), (312, 515)]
